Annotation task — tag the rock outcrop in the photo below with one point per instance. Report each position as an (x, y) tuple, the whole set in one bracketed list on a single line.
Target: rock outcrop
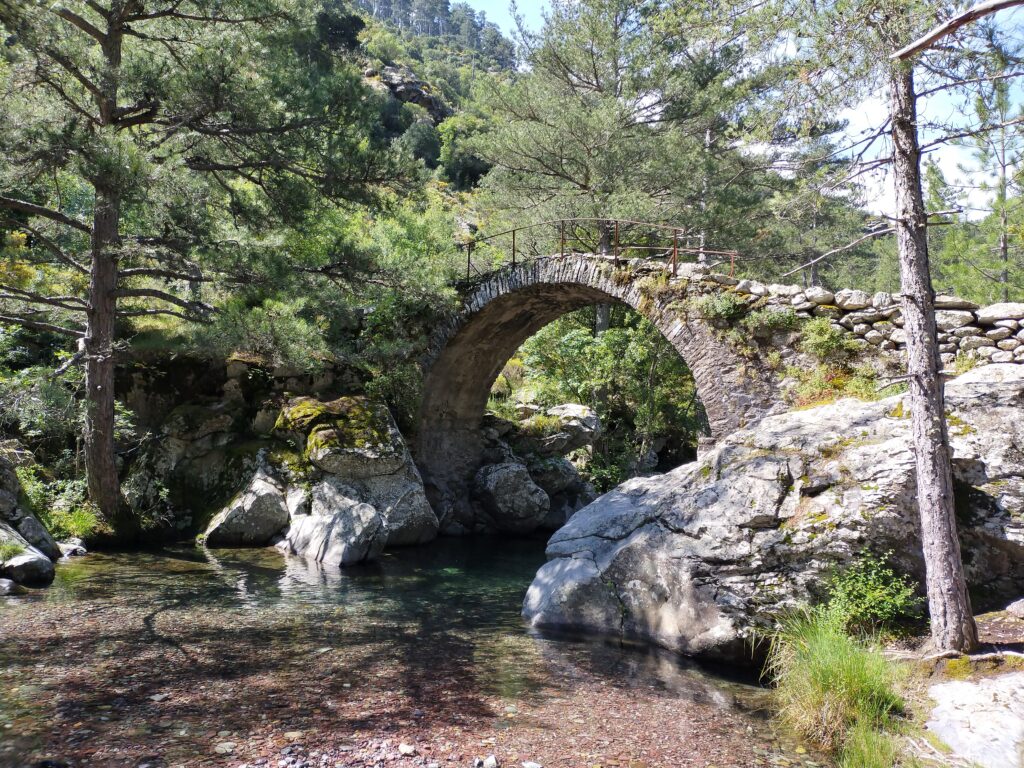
[(409, 89), (253, 518), (29, 550), (698, 559), (510, 498), (569, 427), (524, 482), (338, 529), (343, 489)]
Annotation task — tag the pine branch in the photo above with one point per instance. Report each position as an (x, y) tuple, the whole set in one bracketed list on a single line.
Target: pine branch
[(13, 204), (848, 246), (152, 293), (951, 25), (36, 325)]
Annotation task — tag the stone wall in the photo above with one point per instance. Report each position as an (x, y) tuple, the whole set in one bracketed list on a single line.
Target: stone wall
[(992, 334)]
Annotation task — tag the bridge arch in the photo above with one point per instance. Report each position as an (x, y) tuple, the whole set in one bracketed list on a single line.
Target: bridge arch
[(512, 304)]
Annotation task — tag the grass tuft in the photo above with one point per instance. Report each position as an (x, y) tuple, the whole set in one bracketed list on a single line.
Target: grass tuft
[(866, 747), (830, 686), (9, 549)]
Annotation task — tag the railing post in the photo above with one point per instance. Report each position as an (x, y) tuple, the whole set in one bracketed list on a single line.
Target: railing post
[(616, 242), (469, 258), (675, 252), (513, 249), (561, 246)]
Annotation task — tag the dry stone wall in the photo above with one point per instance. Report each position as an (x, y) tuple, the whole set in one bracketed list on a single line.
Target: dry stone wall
[(992, 334)]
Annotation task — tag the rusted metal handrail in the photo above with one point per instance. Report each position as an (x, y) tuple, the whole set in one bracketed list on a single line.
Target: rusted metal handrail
[(671, 251)]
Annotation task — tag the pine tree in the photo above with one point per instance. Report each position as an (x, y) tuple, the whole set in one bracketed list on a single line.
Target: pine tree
[(142, 141)]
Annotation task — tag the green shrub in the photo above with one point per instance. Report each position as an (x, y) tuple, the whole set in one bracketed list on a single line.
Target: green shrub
[(502, 407), (609, 469), (828, 383), (869, 595), (770, 320), (826, 342), (721, 308), (61, 505), (964, 362), (830, 686), (9, 549)]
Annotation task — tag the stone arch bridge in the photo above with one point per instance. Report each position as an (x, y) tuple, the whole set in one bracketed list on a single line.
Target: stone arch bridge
[(503, 309)]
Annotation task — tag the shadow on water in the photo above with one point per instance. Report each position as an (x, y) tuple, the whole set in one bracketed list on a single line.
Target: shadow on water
[(431, 635)]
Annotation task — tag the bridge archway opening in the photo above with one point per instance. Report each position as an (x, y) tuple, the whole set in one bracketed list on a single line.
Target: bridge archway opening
[(612, 359)]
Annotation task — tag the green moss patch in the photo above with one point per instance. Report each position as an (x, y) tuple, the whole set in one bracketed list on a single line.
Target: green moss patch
[(345, 423)]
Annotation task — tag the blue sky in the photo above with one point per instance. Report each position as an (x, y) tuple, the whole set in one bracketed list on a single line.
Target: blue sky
[(499, 12)]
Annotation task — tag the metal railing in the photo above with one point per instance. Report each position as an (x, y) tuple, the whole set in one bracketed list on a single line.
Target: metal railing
[(644, 237)]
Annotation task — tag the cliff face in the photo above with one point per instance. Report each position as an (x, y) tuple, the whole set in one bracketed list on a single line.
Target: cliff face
[(698, 559)]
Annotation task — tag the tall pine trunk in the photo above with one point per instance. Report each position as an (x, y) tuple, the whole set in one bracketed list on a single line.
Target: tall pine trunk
[(100, 455), (952, 621), (100, 450)]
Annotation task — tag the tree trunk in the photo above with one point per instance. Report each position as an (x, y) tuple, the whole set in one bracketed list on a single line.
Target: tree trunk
[(952, 621), (602, 318), (100, 456)]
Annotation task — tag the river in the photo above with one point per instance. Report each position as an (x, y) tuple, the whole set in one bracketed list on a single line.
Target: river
[(188, 657)]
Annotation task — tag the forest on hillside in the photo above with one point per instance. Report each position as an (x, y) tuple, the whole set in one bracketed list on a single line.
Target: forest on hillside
[(299, 182)]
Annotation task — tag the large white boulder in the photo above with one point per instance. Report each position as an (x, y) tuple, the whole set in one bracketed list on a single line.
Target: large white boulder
[(699, 559), (981, 721), (253, 518), (340, 528)]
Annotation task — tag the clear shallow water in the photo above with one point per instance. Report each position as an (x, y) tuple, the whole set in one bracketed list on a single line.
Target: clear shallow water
[(453, 589), (420, 625)]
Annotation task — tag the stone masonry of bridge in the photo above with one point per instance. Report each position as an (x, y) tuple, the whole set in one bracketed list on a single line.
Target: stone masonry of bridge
[(503, 309)]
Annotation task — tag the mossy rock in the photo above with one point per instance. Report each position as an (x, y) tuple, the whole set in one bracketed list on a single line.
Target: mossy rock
[(351, 436)]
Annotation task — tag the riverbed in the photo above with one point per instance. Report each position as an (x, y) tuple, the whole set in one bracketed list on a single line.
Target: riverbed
[(189, 657)]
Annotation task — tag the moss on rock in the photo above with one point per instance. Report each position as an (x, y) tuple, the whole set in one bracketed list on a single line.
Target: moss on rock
[(348, 422)]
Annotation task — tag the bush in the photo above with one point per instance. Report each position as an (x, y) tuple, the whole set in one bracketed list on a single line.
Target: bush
[(770, 320), (830, 686), (720, 308), (826, 342), (60, 505), (827, 383), (869, 595)]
